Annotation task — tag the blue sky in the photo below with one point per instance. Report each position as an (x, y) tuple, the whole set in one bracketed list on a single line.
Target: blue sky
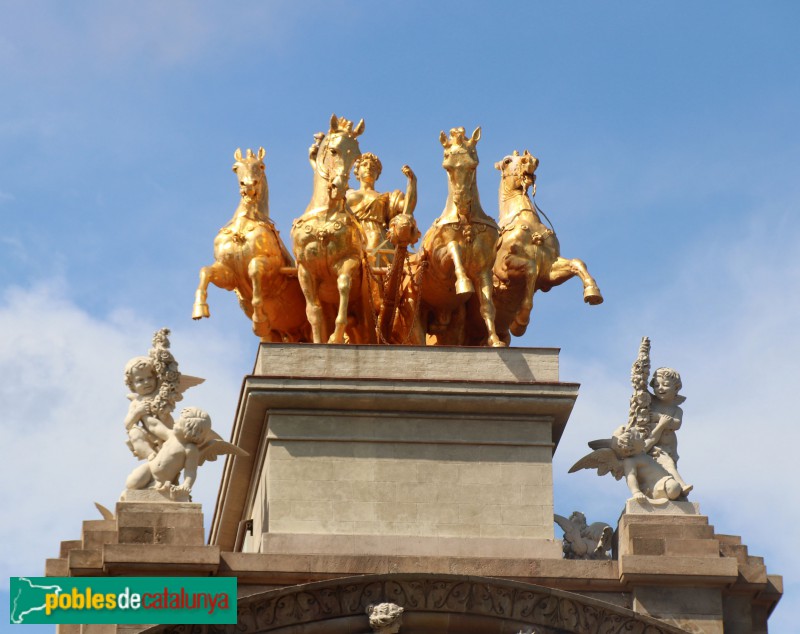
[(668, 141)]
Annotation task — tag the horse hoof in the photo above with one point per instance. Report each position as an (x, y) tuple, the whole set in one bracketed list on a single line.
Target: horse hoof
[(263, 330), (592, 296), (496, 342), (464, 288), (199, 311), (518, 329)]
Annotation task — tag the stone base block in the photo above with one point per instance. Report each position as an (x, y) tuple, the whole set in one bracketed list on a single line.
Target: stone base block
[(154, 495), (667, 507), (409, 545), (162, 522), (168, 560), (694, 609)]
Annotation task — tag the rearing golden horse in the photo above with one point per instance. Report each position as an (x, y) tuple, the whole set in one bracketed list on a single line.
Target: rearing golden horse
[(458, 251), (329, 244), (249, 257), (528, 253)]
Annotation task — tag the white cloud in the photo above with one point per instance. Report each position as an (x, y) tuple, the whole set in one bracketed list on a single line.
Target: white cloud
[(727, 320), (63, 403), (102, 36)]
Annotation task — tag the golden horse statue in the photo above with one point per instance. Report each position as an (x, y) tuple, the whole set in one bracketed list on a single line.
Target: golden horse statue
[(528, 254), (252, 261), (328, 243), (458, 252)]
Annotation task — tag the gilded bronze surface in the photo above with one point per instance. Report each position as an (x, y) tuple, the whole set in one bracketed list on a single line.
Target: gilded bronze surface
[(458, 251), (528, 254), (375, 210), (329, 244), (471, 283), (251, 260)]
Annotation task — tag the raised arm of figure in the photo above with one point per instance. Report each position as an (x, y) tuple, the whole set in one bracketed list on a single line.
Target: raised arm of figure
[(664, 423), (190, 467), (410, 203)]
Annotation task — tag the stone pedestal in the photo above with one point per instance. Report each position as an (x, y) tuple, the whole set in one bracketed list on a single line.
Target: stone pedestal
[(359, 450), (162, 538), (670, 557)]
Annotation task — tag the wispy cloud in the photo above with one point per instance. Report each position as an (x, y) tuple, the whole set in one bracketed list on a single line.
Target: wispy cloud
[(727, 320), (63, 404)]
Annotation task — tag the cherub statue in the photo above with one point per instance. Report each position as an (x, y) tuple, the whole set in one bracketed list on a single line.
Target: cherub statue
[(186, 446), (375, 210), (645, 450), (156, 386), (624, 454), (665, 419), (582, 541), (385, 618)]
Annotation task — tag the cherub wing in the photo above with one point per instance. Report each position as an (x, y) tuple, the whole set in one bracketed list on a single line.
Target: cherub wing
[(602, 535), (186, 381), (604, 460), (563, 522), (107, 515), (215, 447), (571, 532)]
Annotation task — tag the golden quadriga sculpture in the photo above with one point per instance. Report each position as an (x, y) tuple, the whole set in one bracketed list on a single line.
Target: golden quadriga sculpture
[(471, 283)]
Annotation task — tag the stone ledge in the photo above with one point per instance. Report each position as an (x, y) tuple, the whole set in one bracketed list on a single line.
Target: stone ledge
[(56, 568), (84, 562), (284, 569), (441, 363), (169, 559), (402, 545), (661, 570)]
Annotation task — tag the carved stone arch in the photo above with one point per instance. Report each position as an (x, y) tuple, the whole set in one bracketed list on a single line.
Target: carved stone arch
[(433, 604)]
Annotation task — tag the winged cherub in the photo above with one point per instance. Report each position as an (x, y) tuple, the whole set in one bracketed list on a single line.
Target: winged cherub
[(186, 446), (156, 386), (582, 541), (624, 454)]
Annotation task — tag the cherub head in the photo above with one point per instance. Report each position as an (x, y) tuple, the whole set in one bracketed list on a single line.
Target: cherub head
[(627, 442), (385, 618), (578, 518), (140, 376), (193, 425), (666, 384)]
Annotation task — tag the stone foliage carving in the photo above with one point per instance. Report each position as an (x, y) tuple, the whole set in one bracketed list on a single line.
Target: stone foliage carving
[(524, 606), (385, 618), (582, 540), (645, 450)]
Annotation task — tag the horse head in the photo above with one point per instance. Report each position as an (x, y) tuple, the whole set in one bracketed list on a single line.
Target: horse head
[(252, 177), (336, 155), (460, 161), (517, 173)]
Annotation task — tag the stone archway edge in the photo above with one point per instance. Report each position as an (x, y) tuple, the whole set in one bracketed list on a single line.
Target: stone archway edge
[(482, 597)]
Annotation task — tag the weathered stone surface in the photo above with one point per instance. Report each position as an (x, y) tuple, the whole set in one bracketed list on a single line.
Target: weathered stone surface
[(451, 449), (516, 365), (170, 560), (440, 603), (665, 507), (696, 609), (56, 568), (400, 545)]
